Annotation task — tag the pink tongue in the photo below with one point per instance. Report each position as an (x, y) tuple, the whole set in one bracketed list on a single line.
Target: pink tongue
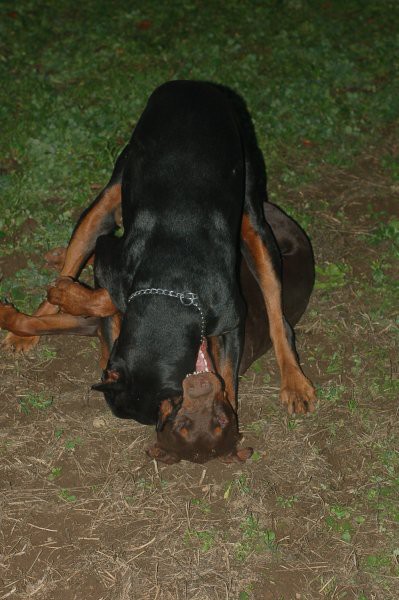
[(203, 360)]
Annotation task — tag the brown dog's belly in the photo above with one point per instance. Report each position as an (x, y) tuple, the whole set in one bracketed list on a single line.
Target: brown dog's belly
[(297, 284)]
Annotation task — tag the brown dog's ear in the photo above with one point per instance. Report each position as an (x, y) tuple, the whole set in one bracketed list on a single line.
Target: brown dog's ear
[(238, 455), (165, 410), (162, 455)]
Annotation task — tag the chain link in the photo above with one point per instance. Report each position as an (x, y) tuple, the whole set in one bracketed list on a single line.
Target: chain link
[(186, 298)]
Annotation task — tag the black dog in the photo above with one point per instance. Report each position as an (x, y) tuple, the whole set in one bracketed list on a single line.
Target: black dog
[(192, 184)]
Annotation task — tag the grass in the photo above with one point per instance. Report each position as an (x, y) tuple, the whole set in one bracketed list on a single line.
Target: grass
[(254, 539), (32, 401), (314, 512)]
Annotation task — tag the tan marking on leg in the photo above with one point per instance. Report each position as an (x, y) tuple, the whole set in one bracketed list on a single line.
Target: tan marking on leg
[(224, 369), (84, 238), (297, 392), (115, 331), (227, 372)]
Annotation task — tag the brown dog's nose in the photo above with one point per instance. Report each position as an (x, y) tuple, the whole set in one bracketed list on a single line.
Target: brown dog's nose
[(198, 386)]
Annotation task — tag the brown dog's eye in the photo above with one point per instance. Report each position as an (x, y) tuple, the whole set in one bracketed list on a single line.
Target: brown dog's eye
[(183, 426), (217, 430)]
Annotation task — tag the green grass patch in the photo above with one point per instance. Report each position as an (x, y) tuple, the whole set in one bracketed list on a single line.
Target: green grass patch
[(68, 109), (254, 539), (331, 276), (31, 402), (67, 496), (205, 539), (72, 444)]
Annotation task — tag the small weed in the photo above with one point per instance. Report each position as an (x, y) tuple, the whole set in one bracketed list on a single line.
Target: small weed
[(335, 364), (376, 562), (67, 496), (201, 504), (357, 365), (339, 521), (292, 424), (390, 163), (144, 484), (256, 367), (287, 502), (256, 456), (245, 594), (46, 353), (71, 444), (387, 232), (255, 539), (353, 405), (257, 426), (331, 392), (58, 433), (240, 483), (206, 538), (331, 276), (34, 401), (55, 472)]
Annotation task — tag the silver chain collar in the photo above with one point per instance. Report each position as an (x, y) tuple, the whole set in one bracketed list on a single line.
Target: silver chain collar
[(186, 298)]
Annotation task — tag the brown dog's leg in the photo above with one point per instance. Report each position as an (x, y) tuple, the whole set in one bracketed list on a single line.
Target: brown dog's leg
[(26, 325), (76, 299), (55, 258), (297, 392), (100, 218)]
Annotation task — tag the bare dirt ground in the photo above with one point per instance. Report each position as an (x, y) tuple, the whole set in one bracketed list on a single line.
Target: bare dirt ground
[(85, 514)]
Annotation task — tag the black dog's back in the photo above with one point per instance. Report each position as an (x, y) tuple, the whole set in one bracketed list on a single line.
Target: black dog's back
[(183, 195), (187, 160)]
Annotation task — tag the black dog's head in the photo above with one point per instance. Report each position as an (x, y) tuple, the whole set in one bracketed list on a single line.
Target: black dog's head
[(122, 396)]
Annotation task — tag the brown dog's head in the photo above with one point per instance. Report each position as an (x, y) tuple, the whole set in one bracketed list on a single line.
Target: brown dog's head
[(200, 427)]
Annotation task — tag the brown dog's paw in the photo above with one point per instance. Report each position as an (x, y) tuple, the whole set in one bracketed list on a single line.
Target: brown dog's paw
[(298, 395), (64, 293), (12, 342), (55, 258), (17, 343), (239, 455)]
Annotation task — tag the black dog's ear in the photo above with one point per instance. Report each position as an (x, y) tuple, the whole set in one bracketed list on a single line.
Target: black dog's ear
[(108, 386), (110, 381)]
